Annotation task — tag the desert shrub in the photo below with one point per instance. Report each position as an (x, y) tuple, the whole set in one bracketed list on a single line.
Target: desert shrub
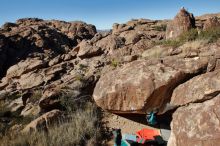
[(172, 43), (83, 67), (161, 27), (155, 52), (79, 77), (71, 101), (193, 46), (190, 35), (114, 63), (77, 128), (210, 35), (36, 96)]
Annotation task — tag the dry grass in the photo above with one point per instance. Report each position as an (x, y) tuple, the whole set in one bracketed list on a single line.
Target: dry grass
[(156, 52), (193, 46), (81, 128), (211, 35)]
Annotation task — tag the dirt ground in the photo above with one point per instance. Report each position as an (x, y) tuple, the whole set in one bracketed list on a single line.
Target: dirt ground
[(130, 124)]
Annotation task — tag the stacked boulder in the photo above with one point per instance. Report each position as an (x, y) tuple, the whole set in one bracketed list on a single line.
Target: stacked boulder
[(182, 22)]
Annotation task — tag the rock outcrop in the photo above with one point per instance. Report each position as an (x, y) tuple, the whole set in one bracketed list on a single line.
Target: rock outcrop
[(39, 38), (193, 91), (196, 124), (134, 88), (198, 116), (182, 22), (211, 23)]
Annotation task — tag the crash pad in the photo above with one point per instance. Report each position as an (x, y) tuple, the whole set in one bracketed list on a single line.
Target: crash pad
[(130, 137), (147, 135)]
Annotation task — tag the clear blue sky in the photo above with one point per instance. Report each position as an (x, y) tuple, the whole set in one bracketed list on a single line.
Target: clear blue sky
[(102, 13)]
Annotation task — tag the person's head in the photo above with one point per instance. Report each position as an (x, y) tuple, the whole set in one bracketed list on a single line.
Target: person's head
[(117, 136), (116, 132)]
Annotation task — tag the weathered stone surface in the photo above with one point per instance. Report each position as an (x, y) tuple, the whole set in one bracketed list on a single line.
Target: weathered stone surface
[(110, 43), (118, 28), (182, 22), (131, 37), (43, 121), (38, 39), (50, 100), (97, 37), (135, 88), (28, 65), (142, 86), (75, 29), (211, 23), (193, 65), (198, 89), (55, 60), (196, 124), (86, 49), (31, 80)]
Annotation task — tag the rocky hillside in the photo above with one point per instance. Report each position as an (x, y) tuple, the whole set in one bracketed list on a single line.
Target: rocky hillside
[(135, 68)]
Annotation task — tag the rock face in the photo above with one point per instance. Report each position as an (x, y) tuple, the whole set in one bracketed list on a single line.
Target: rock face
[(211, 23), (86, 49), (193, 91), (143, 86), (129, 89), (182, 22), (30, 64), (38, 38), (196, 124)]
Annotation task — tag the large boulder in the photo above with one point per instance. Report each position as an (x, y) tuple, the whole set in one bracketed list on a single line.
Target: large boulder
[(196, 124), (198, 89), (86, 49), (130, 88), (182, 22), (142, 86)]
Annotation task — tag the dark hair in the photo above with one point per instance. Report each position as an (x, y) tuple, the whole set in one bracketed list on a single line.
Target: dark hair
[(117, 136)]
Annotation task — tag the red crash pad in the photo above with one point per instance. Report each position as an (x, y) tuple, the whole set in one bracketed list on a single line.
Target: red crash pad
[(147, 134)]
